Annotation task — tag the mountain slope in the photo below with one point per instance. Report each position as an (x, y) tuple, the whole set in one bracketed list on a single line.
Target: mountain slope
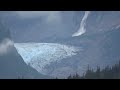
[(99, 49), (12, 65)]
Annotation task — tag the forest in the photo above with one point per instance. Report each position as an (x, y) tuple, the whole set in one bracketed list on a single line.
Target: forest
[(108, 72)]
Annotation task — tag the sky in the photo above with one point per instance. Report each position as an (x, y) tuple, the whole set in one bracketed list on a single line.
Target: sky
[(50, 15)]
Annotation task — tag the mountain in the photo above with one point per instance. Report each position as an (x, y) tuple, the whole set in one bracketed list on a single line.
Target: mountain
[(100, 42), (60, 27), (100, 49), (41, 30), (12, 65)]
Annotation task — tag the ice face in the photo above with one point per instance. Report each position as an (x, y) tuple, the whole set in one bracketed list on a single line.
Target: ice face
[(38, 55)]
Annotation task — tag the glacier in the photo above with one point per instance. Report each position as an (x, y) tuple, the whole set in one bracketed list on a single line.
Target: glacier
[(38, 55)]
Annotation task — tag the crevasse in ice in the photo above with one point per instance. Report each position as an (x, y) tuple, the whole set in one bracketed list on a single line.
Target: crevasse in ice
[(38, 55)]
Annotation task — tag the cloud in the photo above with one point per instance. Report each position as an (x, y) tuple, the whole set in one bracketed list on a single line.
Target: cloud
[(50, 15), (32, 14), (5, 46), (53, 16), (82, 28)]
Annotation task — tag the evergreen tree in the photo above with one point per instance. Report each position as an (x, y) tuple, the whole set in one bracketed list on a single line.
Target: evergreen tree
[(106, 73)]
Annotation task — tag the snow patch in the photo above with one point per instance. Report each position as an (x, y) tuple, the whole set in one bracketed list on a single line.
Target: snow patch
[(82, 28)]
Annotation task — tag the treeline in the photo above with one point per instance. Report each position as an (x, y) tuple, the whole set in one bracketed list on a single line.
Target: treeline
[(108, 72)]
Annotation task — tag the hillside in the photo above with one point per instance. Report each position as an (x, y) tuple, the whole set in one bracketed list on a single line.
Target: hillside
[(12, 65), (112, 72)]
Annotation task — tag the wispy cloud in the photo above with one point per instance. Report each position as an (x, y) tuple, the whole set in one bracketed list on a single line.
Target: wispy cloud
[(32, 14), (82, 28), (50, 15), (5, 46), (53, 16)]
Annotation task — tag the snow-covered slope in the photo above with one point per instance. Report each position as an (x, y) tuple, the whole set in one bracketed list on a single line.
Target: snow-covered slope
[(38, 55)]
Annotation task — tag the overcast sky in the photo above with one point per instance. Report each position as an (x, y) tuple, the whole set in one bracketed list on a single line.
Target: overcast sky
[(50, 15)]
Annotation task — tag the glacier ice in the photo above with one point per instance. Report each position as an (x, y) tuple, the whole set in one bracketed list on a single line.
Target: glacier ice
[(38, 55)]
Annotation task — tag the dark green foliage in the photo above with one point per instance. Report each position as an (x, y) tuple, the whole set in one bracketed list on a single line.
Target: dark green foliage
[(70, 77), (106, 73)]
